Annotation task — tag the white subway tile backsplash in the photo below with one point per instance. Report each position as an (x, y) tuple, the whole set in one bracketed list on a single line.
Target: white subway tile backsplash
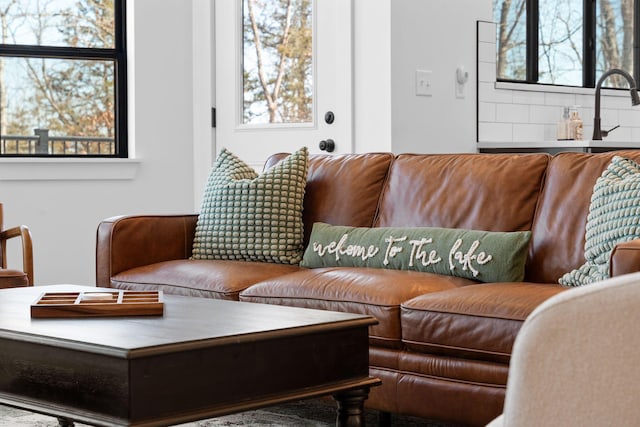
[(550, 132), (512, 113), (608, 118), (587, 131), (488, 93), (561, 99), (486, 112), (495, 132), (630, 117), (527, 97), (487, 52), (615, 102), (585, 101), (487, 72), (545, 114), (487, 32), (528, 132), (586, 114)]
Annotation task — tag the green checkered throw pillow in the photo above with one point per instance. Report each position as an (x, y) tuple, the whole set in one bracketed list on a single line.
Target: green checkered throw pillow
[(251, 217), (614, 217)]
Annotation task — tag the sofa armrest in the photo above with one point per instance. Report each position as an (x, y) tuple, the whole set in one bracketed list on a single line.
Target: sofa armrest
[(125, 242), (625, 258)]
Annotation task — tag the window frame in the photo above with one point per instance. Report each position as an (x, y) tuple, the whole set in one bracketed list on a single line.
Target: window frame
[(117, 54), (588, 45)]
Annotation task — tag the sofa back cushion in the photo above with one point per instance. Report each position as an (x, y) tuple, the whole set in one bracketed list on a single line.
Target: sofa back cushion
[(558, 234), (490, 192), (342, 189)]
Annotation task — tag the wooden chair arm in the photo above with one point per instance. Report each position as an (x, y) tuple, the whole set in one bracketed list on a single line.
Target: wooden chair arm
[(23, 232)]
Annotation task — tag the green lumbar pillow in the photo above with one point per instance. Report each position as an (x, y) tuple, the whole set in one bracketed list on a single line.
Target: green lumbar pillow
[(250, 216), (479, 255), (614, 217)]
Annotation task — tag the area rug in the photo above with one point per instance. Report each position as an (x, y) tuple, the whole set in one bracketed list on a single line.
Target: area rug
[(308, 413)]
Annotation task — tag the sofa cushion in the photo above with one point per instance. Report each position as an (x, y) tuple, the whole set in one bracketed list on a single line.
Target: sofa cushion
[(478, 322), (354, 290), (251, 217), (492, 192), (477, 255), (558, 233), (342, 189), (614, 217), (202, 278)]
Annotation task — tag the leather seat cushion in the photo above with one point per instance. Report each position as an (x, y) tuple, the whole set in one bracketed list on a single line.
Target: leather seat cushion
[(219, 279), (479, 322), (373, 291)]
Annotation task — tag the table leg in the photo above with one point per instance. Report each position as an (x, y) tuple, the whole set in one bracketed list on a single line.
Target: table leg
[(351, 407), (384, 419), (65, 422)]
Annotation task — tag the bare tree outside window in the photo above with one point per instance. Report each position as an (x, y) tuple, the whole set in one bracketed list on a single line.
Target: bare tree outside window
[(510, 15), (277, 61), (615, 39), (560, 42), (71, 98), (560, 50)]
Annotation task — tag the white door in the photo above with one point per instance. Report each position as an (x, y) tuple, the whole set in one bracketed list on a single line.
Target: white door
[(254, 125)]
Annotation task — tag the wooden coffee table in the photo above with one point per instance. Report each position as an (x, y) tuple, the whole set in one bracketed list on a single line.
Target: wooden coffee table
[(202, 358)]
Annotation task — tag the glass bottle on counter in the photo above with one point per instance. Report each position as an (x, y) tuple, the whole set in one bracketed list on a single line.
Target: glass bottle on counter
[(562, 130), (575, 125)]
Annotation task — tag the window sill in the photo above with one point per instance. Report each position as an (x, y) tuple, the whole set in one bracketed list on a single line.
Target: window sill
[(559, 89), (67, 169)]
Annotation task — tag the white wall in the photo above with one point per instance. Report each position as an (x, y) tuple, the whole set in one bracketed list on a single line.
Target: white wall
[(372, 75), (439, 37), (63, 214), (203, 95), (393, 39)]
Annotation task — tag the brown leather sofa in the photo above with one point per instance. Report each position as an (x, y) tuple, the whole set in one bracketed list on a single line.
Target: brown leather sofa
[(443, 344)]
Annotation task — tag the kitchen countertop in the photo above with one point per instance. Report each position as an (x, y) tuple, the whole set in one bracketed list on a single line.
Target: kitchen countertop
[(557, 146)]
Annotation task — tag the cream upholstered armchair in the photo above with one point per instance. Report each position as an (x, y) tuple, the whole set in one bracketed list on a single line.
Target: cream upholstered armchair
[(575, 360), (10, 278)]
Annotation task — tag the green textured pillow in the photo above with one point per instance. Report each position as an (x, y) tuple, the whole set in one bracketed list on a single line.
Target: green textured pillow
[(479, 255), (614, 217), (251, 217)]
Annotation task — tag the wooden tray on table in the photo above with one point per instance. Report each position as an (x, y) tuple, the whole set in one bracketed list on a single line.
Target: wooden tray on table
[(98, 304)]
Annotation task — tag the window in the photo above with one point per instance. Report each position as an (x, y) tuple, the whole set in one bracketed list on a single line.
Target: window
[(277, 61), (63, 78), (566, 42)]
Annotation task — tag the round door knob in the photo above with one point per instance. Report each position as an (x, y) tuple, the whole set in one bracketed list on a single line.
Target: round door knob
[(327, 145)]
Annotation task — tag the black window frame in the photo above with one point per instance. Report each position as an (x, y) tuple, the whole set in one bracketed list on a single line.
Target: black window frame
[(117, 54), (588, 45)]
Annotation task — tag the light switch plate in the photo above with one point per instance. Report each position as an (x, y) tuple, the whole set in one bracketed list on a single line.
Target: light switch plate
[(424, 83)]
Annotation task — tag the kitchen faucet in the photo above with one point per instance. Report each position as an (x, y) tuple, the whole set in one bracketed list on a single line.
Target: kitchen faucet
[(598, 133)]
